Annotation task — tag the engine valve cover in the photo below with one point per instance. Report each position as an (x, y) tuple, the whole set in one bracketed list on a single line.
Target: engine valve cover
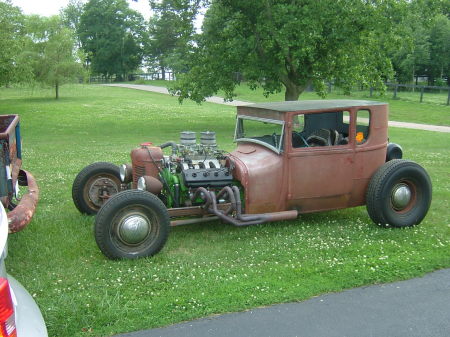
[(213, 177)]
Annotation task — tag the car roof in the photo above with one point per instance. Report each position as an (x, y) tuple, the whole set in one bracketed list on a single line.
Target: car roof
[(289, 106)]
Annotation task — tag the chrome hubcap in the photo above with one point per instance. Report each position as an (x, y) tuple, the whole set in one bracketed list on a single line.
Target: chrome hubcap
[(134, 229), (401, 196)]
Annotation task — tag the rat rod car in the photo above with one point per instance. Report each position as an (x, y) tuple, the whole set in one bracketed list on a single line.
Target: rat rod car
[(291, 158), (11, 176)]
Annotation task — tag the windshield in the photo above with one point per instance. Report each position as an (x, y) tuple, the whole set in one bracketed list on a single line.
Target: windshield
[(266, 132)]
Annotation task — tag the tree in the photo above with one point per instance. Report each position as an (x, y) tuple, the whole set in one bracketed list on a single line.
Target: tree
[(171, 30), (291, 44), (412, 57), (413, 54), (12, 35), (51, 49), (112, 35), (71, 15), (440, 49)]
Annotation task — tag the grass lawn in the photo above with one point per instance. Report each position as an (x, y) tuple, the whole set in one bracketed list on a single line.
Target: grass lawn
[(406, 108), (207, 268)]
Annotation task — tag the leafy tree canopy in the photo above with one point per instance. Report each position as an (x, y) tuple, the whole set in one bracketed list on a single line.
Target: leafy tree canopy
[(291, 44), (12, 34), (420, 44), (51, 51), (440, 49), (112, 34), (71, 15), (171, 31)]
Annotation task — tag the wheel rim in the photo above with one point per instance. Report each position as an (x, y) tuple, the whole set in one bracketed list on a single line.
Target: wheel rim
[(402, 197), (133, 229), (100, 188)]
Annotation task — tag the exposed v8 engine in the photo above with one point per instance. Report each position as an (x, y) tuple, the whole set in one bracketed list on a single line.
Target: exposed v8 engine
[(175, 177)]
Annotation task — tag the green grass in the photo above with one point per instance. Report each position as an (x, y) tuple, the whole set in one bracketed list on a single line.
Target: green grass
[(204, 269), (437, 97), (406, 108)]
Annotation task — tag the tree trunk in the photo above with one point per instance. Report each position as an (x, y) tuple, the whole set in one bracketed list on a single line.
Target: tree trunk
[(57, 90), (163, 73), (293, 91)]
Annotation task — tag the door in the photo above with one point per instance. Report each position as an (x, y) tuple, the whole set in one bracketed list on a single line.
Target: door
[(320, 161)]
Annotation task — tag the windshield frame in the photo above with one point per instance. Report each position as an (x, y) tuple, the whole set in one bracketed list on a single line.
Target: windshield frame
[(278, 149)]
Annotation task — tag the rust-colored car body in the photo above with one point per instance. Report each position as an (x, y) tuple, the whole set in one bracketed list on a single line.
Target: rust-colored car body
[(11, 175), (310, 179), (291, 158)]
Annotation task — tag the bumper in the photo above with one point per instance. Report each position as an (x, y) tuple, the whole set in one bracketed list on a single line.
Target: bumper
[(29, 320), (21, 215)]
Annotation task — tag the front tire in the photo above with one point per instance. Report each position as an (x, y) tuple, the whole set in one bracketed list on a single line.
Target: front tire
[(132, 224), (94, 185), (399, 194)]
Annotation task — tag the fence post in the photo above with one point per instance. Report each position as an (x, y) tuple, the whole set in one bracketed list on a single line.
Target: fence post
[(395, 90), (422, 89)]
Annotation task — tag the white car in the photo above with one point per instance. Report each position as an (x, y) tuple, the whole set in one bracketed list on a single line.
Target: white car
[(19, 314)]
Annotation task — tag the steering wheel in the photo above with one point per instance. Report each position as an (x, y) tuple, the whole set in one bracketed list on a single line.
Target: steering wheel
[(304, 140), (299, 134)]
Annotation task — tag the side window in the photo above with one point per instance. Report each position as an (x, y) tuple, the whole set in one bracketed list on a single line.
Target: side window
[(321, 129), (362, 126), (298, 128), (299, 123)]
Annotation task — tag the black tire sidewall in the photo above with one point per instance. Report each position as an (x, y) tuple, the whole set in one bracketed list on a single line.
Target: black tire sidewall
[(82, 179), (121, 202), (418, 180)]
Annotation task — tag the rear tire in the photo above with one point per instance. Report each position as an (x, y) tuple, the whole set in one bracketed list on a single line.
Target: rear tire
[(132, 224), (94, 185), (399, 194)]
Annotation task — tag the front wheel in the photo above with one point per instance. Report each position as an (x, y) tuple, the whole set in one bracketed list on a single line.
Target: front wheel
[(399, 194), (132, 224), (94, 185)]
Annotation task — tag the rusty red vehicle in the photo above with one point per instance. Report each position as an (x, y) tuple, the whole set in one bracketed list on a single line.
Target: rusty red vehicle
[(21, 207), (291, 158)]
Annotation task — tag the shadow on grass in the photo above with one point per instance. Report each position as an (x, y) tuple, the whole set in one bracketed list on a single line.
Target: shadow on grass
[(320, 220), (40, 100)]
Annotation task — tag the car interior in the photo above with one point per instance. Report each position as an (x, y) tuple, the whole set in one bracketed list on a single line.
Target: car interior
[(323, 129)]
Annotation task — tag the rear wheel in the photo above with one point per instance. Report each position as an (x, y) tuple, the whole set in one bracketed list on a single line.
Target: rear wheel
[(132, 224), (399, 194), (94, 185)]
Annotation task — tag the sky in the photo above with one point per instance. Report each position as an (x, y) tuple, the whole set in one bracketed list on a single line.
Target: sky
[(52, 7)]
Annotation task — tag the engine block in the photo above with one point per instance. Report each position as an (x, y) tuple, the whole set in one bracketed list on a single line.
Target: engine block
[(201, 165)]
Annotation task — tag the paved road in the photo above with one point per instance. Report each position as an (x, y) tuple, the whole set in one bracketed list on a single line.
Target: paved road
[(162, 90), (415, 308), (219, 100)]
